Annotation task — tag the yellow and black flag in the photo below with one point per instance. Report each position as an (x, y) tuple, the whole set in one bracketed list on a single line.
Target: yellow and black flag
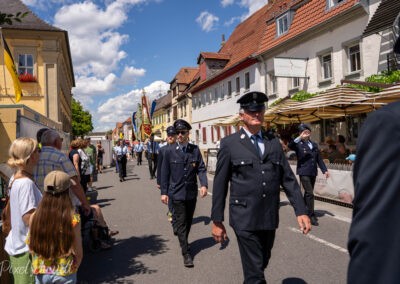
[(9, 62)]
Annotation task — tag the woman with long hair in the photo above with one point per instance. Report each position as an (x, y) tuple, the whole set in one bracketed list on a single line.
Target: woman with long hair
[(55, 233), (24, 199)]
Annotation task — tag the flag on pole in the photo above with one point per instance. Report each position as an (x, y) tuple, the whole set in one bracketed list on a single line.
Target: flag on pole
[(153, 107), (146, 122), (9, 62), (134, 121)]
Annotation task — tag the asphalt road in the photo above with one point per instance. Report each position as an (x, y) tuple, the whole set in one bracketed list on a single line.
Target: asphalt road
[(146, 251)]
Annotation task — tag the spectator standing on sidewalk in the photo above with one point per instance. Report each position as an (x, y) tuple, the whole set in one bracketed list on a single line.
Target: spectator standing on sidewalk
[(308, 158), (374, 236), (24, 198), (100, 154), (152, 155), (253, 163), (91, 152), (182, 164)]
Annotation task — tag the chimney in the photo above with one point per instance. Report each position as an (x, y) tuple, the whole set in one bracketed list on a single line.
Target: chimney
[(223, 40)]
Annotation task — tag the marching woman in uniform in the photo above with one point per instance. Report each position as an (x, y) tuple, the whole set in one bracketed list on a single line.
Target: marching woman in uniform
[(181, 164)]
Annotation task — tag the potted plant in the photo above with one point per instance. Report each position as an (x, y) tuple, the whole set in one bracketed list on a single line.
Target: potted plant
[(27, 77)]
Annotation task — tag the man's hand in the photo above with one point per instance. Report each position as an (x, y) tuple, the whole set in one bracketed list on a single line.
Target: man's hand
[(203, 191), (305, 134), (218, 232), (327, 175), (304, 223), (164, 199)]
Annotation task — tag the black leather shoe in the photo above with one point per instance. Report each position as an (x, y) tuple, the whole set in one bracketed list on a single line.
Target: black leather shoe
[(314, 221), (187, 260), (120, 179)]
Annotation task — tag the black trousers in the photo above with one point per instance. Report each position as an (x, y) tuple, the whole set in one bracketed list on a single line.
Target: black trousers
[(183, 213), (308, 183), (255, 251), (139, 157), (152, 159), (122, 167)]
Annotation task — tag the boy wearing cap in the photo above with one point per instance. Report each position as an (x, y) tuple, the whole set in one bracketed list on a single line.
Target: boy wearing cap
[(308, 159), (253, 163), (182, 164)]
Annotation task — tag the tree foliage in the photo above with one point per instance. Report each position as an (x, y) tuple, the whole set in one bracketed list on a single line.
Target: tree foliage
[(9, 18), (81, 119)]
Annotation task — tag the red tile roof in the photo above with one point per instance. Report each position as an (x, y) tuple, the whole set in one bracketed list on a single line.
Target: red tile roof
[(186, 75), (163, 102), (213, 55), (307, 16)]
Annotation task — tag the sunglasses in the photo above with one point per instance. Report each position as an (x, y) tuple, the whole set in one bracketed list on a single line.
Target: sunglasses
[(183, 132)]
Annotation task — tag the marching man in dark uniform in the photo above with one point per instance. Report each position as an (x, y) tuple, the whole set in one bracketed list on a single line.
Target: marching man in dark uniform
[(254, 164), (182, 163), (308, 158)]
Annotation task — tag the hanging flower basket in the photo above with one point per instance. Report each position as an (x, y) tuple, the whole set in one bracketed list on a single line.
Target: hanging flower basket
[(27, 77)]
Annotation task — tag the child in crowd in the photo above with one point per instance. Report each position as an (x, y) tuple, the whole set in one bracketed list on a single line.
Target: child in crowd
[(55, 233)]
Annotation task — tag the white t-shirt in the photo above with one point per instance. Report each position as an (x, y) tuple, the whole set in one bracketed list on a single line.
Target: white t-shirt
[(24, 196)]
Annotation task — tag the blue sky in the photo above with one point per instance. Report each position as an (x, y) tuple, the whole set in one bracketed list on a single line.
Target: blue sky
[(120, 47)]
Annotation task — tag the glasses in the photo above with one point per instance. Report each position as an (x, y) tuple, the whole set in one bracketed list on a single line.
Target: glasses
[(183, 132)]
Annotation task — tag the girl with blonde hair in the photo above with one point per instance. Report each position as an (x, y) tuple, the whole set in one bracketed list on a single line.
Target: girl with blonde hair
[(24, 198)]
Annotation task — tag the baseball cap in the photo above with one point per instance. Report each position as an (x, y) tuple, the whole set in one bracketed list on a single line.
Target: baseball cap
[(351, 157), (56, 182)]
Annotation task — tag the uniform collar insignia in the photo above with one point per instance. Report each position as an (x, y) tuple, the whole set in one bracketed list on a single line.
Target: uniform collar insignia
[(242, 136)]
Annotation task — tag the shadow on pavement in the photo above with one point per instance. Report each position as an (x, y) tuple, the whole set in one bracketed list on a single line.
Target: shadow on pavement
[(320, 213), (200, 219), (112, 266), (293, 280), (198, 245), (103, 187)]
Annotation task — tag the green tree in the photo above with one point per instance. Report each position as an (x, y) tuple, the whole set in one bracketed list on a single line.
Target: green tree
[(9, 18), (81, 119)]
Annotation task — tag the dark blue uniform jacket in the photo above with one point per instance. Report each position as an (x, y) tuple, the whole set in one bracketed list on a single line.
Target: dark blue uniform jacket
[(307, 159), (254, 183), (179, 172)]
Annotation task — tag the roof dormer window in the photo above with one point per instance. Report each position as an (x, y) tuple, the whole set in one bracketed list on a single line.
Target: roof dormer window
[(333, 3), (283, 23)]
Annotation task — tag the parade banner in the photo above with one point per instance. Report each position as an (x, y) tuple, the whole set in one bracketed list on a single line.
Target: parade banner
[(146, 122)]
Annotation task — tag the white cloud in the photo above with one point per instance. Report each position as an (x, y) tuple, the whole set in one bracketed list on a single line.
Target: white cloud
[(252, 6), (119, 108), (130, 74), (225, 3), (207, 21)]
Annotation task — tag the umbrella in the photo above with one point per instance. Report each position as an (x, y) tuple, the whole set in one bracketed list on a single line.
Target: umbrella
[(332, 103)]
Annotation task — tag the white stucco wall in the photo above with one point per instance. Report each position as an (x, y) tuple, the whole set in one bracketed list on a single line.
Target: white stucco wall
[(335, 41), (215, 110)]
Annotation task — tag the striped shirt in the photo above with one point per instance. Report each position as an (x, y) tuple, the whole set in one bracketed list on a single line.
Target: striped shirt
[(52, 159)]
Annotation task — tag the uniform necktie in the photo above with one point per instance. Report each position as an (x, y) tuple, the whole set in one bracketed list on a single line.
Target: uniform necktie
[(254, 138), (184, 149)]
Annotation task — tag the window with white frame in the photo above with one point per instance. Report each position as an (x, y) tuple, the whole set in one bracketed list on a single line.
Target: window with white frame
[(237, 85), (273, 86), (354, 58), (282, 24), (326, 66), (295, 82), (25, 64), (229, 89), (333, 3), (247, 81)]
